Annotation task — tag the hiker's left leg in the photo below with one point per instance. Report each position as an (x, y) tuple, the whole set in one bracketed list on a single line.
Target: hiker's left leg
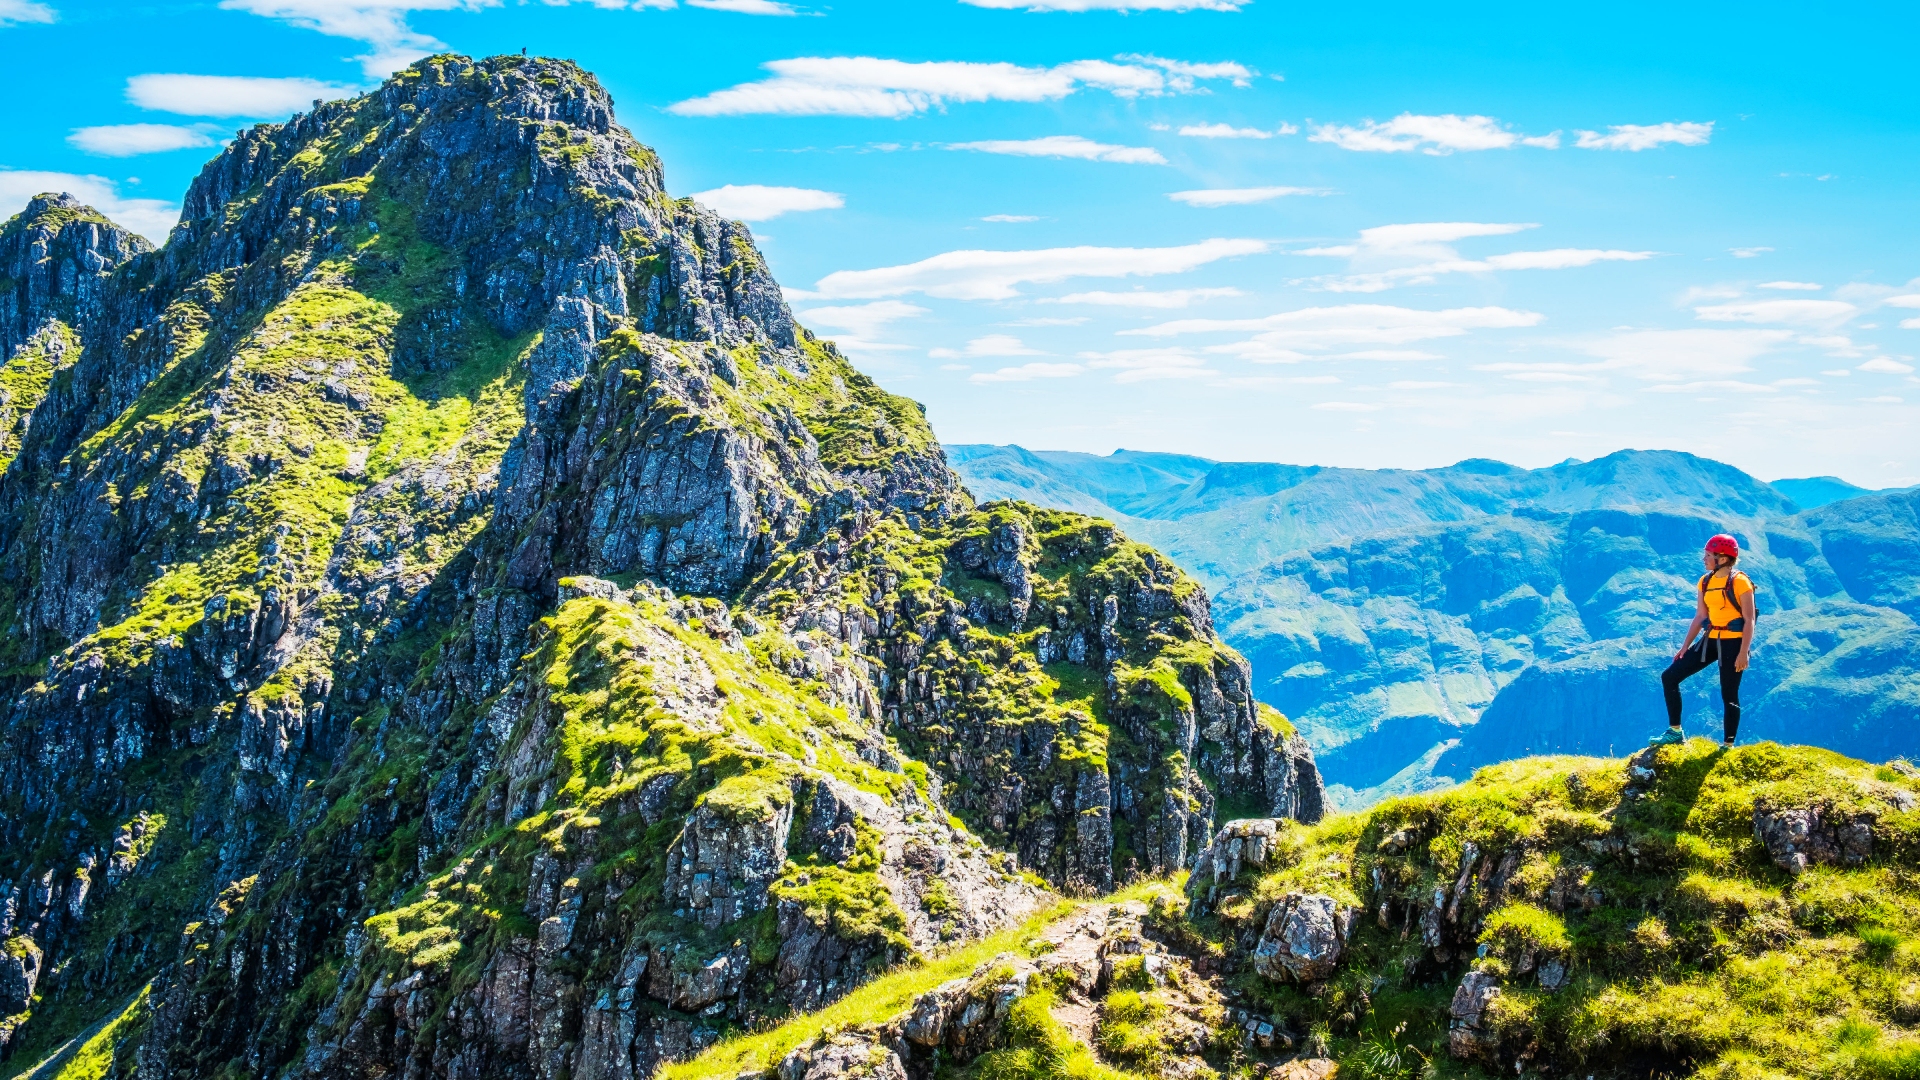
[(1730, 686)]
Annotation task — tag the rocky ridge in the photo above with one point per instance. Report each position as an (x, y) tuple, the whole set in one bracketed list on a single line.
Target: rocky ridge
[(1688, 911), (459, 624)]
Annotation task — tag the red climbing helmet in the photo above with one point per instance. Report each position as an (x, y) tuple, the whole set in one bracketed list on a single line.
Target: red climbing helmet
[(1723, 545)]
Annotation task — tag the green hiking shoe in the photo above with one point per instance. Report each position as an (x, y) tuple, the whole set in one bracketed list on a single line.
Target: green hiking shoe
[(1673, 736)]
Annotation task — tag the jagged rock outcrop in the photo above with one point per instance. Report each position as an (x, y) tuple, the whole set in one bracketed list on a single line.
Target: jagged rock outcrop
[(55, 259), (1303, 939), (460, 625), (1098, 984)]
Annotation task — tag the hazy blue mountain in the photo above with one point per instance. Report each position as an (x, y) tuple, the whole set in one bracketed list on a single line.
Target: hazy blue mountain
[(1815, 491), (1419, 623)]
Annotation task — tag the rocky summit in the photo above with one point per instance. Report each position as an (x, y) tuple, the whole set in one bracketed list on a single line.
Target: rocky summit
[(459, 624)]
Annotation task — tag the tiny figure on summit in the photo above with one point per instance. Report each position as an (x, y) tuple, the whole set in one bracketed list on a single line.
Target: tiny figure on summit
[(1725, 608)]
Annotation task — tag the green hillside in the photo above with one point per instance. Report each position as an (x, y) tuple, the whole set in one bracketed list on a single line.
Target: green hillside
[(1690, 912)]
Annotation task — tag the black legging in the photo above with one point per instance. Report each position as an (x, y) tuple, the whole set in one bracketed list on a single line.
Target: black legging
[(1696, 660)]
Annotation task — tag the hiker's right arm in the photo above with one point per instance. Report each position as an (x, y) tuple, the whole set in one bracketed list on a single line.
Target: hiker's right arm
[(1699, 620)]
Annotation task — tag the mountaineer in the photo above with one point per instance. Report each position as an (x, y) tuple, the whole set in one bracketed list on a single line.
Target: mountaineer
[(1725, 607)]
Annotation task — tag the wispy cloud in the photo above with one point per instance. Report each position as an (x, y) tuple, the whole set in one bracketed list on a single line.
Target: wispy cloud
[(1748, 252), (1212, 197), (1014, 219), (1066, 146), (864, 323), (1028, 372), (1141, 365), (1885, 365), (1228, 131), (1110, 5), (738, 7), (230, 95), (1390, 255), (1790, 312), (151, 218), (992, 345), (1803, 286), (759, 202), (1437, 135), (128, 140), (995, 275), (1316, 333), (878, 87), (1646, 137), (379, 24), (25, 11), (1171, 298)]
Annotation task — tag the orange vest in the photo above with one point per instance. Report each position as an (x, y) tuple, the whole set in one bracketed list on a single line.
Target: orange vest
[(1723, 596)]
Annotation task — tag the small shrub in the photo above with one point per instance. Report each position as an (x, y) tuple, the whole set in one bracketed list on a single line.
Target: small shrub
[(1879, 943)]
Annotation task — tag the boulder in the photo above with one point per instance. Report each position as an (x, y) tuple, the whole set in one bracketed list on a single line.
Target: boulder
[(1468, 1034), (1305, 935), (1818, 835)]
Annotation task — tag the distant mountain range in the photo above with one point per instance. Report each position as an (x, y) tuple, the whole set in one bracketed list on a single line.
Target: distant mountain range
[(1417, 624)]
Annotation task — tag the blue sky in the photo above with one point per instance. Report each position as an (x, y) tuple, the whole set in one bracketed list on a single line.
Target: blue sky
[(1366, 235)]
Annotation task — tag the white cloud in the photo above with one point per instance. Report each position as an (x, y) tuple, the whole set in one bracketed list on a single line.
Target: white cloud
[(1345, 406), (1066, 146), (1735, 385), (1390, 255), (1011, 218), (1910, 324), (1141, 365), (229, 95), (994, 275), (1223, 131), (741, 7), (1911, 301), (380, 24), (1671, 355), (1792, 312), (1109, 5), (1183, 74), (990, 345), (1646, 136), (863, 322), (759, 202), (1748, 252), (873, 86), (1883, 399), (126, 140), (1435, 135), (25, 11), (1885, 365), (1392, 355), (1171, 298), (1028, 372), (1802, 286), (1308, 333), (1212, 197), (151, 218)]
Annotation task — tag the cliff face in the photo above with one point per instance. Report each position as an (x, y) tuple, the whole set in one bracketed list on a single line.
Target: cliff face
[(458, 624)]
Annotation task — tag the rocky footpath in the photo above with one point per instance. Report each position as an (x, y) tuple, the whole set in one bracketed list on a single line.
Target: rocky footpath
[(1107, 987), (459, 624)]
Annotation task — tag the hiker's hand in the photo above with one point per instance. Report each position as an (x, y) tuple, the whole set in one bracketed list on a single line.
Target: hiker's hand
[(1740, 662)]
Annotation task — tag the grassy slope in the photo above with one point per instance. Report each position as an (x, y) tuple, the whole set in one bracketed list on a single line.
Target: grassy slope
[(1700, 956), (1690, 952)]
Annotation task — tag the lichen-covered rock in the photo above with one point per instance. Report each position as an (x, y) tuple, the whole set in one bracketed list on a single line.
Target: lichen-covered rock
[(1797, 837), (1468, 1035), (1303, 939)]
